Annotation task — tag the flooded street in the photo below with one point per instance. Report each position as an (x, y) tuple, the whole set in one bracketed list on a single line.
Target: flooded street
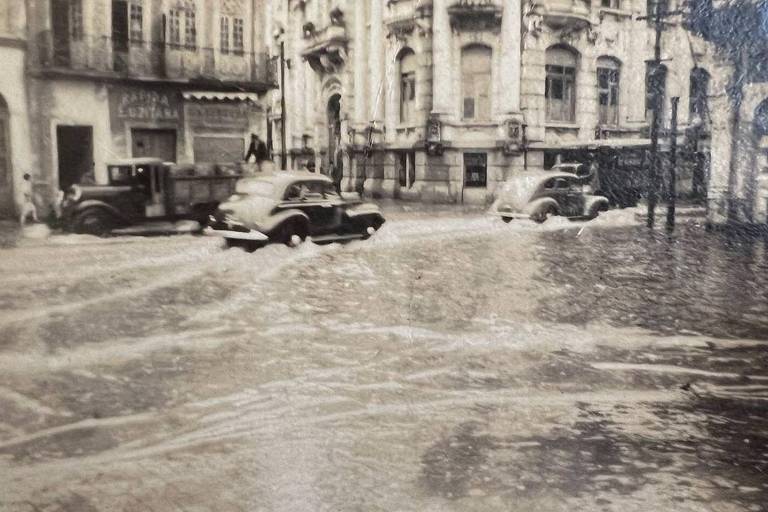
[(453, 363)]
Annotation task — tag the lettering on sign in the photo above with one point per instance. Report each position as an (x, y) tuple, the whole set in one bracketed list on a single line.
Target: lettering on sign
[(146, 105), (221, 115)]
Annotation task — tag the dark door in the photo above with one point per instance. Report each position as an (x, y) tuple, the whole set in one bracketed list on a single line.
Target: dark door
[(6, 189), (154, 143), (120, 34), (60, 26), (74, 146)]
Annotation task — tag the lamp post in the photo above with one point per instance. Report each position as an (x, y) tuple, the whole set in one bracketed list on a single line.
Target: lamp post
[(672, 192), (283, 154)]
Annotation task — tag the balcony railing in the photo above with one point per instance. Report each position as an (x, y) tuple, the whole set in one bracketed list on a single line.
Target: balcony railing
[(101, 56), (475, 13), (563, 13), (326, 49)]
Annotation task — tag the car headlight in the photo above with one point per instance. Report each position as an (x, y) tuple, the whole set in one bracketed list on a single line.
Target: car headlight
[(75, 193)]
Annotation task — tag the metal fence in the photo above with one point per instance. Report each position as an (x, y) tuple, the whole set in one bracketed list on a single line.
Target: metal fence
[(149, 59)]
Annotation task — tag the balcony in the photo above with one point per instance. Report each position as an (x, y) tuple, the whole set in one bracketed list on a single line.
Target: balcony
[(98, 57), (475, 14), (563, 14), (326, 49)]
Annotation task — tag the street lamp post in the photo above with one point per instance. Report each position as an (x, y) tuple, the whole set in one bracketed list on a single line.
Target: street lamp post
[(283, 155)]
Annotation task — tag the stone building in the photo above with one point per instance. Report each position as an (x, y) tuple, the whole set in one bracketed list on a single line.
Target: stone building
[(15, 151), (183, 80), (441, 100)]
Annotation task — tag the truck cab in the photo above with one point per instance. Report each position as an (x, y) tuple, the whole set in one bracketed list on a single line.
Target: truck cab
[(140, 190)]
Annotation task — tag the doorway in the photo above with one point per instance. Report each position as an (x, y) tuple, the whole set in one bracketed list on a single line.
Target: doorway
[(334, 136), (6, 171), (75, 151), (154, 143)]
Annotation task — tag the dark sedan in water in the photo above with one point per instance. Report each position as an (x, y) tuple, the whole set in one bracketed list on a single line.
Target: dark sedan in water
[(288, 207)]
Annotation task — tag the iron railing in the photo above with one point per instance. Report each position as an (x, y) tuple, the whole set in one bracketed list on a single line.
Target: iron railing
[(94, 54)]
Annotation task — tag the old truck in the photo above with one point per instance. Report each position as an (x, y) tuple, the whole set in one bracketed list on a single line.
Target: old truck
[(145, 190)]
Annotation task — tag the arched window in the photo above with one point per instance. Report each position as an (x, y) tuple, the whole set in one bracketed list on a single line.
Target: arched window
[(560, 87), (608, 74), (407, 86), (698, 91), (476, 82)]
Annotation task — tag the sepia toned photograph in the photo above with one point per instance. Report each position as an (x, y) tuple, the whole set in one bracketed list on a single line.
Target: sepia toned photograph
[(383, 255)]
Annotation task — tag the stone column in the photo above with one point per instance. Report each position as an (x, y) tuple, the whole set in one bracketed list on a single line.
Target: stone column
[(359, 58), (510, 57), (441, 58), (376, 62)]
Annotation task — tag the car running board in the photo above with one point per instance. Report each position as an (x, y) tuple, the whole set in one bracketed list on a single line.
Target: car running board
[(336, 238)]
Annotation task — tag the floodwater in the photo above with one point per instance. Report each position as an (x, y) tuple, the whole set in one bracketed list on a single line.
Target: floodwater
[(453, 363)]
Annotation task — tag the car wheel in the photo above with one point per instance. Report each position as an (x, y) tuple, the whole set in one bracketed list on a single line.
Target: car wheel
[(507, 220), (94, 222), (546, 213), (594, 211), (293, 232)]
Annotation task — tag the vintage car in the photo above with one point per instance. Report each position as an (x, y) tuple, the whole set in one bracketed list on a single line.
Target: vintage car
[(287, 207), (540, 195)]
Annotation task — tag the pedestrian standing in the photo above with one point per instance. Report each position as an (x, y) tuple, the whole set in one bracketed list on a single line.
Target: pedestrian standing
[(28, 205)]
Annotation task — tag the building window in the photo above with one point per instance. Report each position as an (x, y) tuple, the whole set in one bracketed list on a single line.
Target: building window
[(655, 88), (238, 45), (224, 34), (608, 91), (137, 23), (560, 86), (650, 9), (699, 89), (174, 27), (476, 83), (407, 86), (76, 20), (475, 169), (190, 29), (611, 4)]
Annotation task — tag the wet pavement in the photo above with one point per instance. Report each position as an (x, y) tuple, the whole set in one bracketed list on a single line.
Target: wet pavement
[(450, 363)]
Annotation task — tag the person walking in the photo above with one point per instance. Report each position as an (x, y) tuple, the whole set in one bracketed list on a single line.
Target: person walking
[(28, 205), (257, 149)]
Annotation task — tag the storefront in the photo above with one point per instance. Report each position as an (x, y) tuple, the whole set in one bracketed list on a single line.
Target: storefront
[(220, 124)]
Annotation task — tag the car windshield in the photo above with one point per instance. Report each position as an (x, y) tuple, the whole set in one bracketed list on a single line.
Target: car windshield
[(256, 187), (306, 190)]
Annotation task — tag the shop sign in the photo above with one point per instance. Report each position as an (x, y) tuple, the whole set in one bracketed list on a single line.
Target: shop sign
[(144, 105), (219, 115)]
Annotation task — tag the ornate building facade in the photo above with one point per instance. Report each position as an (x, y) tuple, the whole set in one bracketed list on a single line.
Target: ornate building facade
[(441, 100)]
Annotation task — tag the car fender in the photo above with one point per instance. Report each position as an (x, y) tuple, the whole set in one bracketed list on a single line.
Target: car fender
[(94, 203), (364, 210), (592, 202), (275, 220), (539, 204)]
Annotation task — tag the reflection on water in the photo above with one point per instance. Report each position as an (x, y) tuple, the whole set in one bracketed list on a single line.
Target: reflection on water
[(687, 282)]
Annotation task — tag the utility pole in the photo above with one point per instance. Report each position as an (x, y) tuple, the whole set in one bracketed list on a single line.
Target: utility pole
[(672, 192), (653, 174), (283, 155)]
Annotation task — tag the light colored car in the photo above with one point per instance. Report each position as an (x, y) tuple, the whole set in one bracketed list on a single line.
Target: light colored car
[(540, 195), (288, 207)]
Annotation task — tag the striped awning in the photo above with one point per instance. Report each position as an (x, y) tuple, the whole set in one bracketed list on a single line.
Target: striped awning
[(220, 96)]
